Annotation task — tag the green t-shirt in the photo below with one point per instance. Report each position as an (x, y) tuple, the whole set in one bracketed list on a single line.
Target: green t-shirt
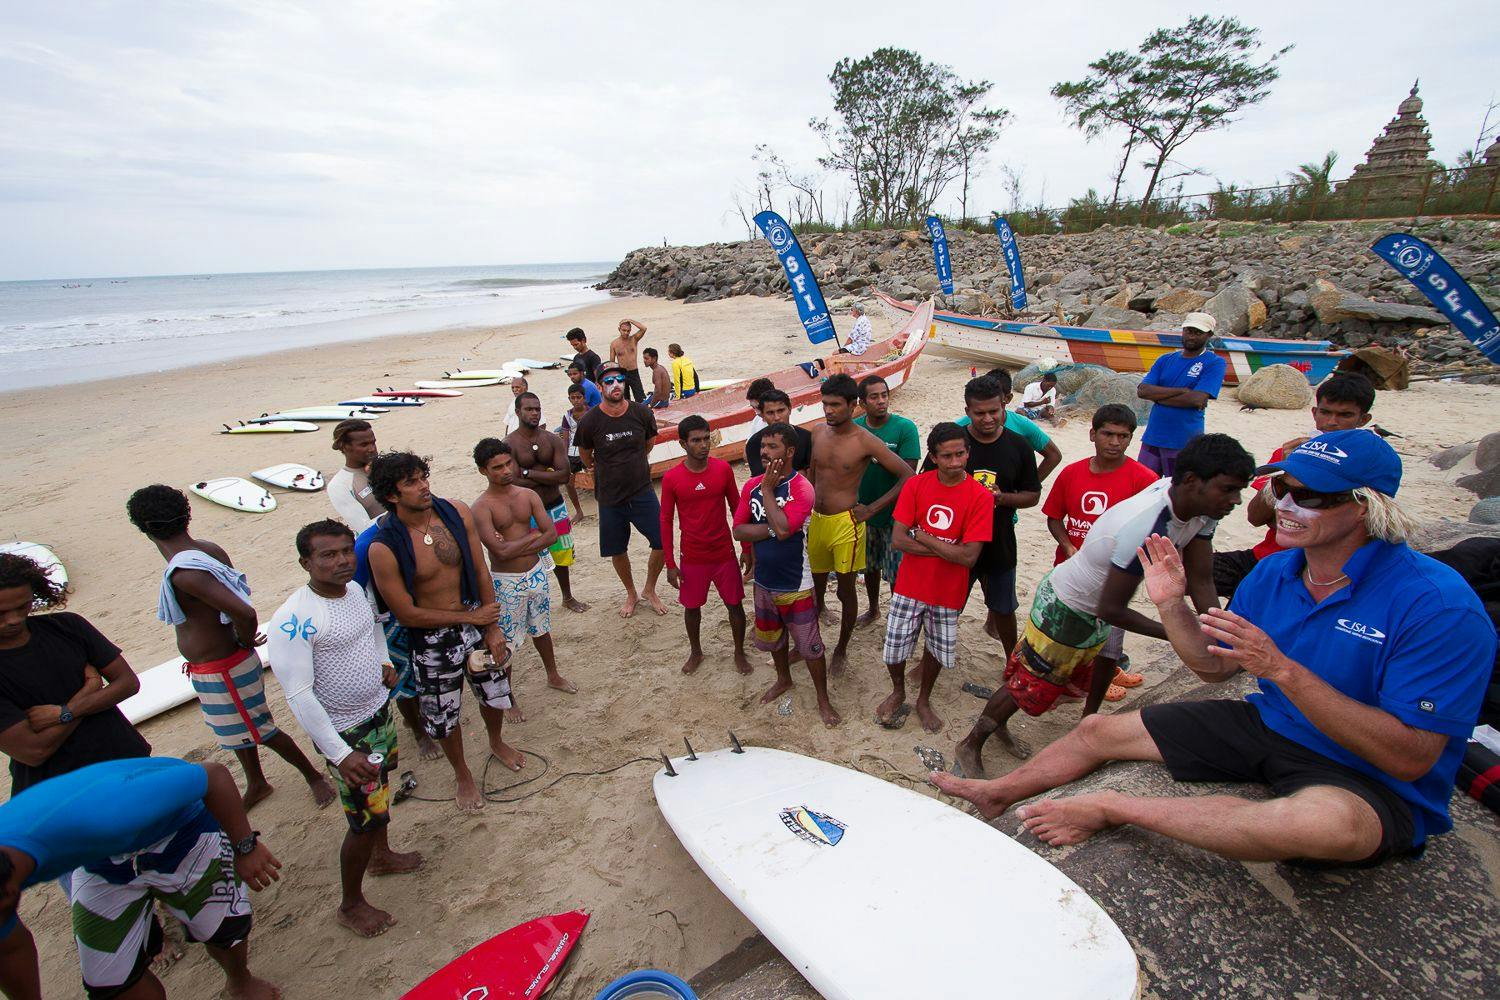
[(902, 437)]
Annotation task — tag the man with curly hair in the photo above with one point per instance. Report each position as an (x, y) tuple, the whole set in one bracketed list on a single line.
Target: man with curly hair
[(61, 682)]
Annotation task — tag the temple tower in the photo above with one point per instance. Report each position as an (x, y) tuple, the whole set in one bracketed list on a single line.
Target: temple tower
[(1398, 160)]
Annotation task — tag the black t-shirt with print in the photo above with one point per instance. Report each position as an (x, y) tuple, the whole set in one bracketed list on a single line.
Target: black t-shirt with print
[(1008, 464), (619, 444)]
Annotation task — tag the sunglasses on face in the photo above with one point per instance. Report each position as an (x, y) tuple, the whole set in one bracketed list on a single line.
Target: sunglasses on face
[(612, 380), (1309, 499)]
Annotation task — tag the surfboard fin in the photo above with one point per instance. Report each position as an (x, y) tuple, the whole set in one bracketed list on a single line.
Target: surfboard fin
[(736, 741), (667, 761), (691, 754)]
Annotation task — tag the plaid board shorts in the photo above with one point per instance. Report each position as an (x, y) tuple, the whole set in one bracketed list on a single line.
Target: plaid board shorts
[(779, 612), (907, 617), (440, 656), (365, 810)]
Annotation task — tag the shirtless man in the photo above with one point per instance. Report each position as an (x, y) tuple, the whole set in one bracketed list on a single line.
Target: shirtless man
[(661, 380), (542, 466), (514, 525), (622, 353), (428, 567), (841, 452), (207, 601)]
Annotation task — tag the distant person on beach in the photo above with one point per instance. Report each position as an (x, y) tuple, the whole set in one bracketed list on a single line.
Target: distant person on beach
[(1039, 399), (1343, 403), (941, 522), (757, 388), (703, 493), (772, 515), (1051, 455), (660, 395), (903, 438), (841, 452), (776, 408), (333, 666), (541, 461), (587, 361), (862, 335), (128, 836), (1372, 661), (1076, 604), (622, 351), (61, 682), (684, 373), (207, 601), (577, 407), (614, 441), (349, 488), (520, 387), (515, 527), (591, 393), (429, 568), (1179, 384)]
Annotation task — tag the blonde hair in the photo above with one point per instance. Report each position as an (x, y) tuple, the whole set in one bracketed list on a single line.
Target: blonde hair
[(1385, 519)]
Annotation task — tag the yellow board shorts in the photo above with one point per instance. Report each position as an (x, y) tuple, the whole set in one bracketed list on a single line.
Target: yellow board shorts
[(835, 543)]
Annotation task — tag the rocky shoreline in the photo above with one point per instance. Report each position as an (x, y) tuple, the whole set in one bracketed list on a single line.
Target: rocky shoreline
[(1314, 281)]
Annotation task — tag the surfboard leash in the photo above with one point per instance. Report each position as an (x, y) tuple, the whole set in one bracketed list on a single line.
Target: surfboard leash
[(492, 794)]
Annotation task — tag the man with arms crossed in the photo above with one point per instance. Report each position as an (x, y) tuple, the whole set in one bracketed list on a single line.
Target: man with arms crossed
[(702, 489), (1371, 660), (772, 512), (614, 441), (127, 834), (331, 660), (622, 352), (902, 437), (841, 452), (349, 488), (428, 566), (1180, 385), (542, 466)]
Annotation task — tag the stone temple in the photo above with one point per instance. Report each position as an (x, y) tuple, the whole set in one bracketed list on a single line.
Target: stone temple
[(1398, 162)]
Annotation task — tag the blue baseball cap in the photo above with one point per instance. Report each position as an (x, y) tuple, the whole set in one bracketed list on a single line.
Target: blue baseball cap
[(1342, 460)]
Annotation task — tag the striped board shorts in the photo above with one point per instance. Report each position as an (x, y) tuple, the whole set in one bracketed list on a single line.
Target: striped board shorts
[(779, 612), (232, 695), (908, 617)]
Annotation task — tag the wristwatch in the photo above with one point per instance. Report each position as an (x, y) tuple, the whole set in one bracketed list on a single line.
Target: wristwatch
[(526, 473), (247, 846), (63, 715)]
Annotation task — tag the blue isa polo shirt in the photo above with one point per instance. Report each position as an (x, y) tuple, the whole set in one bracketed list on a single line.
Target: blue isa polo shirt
[(1175, 426), (1408, 635)]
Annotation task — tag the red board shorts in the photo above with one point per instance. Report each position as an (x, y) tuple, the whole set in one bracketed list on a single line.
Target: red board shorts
[(696, 577), (1033, 694), (778, 612)]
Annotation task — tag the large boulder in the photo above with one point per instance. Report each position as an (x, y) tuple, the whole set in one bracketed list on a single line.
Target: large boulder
[(1231, 309), (1276, 387), (1486, 511), (1108, 317), (1333, 304), (1180, 300), (1070, 378), (1487, 452), (1079, 280)]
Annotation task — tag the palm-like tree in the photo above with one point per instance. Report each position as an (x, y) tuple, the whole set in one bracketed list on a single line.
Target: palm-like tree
[(1315, 179)]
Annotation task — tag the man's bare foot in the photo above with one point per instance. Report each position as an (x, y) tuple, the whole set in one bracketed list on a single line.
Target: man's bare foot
[(173, 941), (558, 682), (886, 711), (1017, 747), (508, 755), (515, 712), (930, 719), (574, 604), (775, 691), (257, 792), (694, 661), (967, 756), (427, 748), (253, 988), (468, 795), (742, 662), (322, 791), (830, 717), (970, 790), (578, 518), (627, 610), (365, 920), (991, 631), (1072, 820), (838, 662), (655, 602), (867, 618), (393, 863)]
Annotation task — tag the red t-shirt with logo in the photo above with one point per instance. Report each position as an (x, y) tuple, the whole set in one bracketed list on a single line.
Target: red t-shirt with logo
[(1268, 544), (1078, 496), (956, 514)]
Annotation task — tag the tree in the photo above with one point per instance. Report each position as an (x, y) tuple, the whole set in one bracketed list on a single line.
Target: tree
[(1314, 180), (1183, 81), (903, 129)]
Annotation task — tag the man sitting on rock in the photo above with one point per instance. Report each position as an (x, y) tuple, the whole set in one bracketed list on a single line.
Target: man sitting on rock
[(1372, 661)]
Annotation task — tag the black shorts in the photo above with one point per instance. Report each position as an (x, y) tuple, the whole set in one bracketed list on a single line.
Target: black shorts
[(1227, 741), (998, 584), (633, 387), (1230, 568), (643, 511)]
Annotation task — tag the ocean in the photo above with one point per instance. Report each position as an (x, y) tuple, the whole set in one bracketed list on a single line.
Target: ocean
[(75, 330)]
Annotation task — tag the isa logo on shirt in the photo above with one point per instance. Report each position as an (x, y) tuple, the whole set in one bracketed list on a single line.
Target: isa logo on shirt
[(1359, 630), (1195, 370)]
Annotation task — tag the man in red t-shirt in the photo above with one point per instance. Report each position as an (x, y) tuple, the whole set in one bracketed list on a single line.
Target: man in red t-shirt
[(942, 520), (1082, 492), (703, 491)]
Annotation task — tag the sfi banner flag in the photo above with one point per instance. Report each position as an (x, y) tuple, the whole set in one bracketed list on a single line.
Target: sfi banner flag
[(805, 291), (1012, 253), (1436, 279), (940, 258)]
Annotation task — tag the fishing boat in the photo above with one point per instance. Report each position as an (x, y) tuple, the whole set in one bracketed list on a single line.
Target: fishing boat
[(999, 343), (730, 416)]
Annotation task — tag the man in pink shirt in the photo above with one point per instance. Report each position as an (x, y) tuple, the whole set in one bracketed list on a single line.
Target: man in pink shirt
[(702, 490)]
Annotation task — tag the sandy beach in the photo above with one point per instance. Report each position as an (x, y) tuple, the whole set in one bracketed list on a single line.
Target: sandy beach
[(75, 453)]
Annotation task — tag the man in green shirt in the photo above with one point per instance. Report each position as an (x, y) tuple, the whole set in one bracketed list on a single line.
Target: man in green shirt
[(902, 437)]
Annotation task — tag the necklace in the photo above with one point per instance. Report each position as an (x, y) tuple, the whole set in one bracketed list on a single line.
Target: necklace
[(427, 535), (1307, 574)]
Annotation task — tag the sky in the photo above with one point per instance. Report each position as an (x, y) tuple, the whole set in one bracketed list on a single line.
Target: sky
[(177, 137)]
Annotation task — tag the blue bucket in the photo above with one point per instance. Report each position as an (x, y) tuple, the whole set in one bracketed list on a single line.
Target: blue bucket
[(648, 984)]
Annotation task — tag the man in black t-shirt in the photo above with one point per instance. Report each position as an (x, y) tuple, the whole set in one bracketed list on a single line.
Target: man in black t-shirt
[(776, 408), (614, 441), (583, 357), (1005, 464), (60, 683)]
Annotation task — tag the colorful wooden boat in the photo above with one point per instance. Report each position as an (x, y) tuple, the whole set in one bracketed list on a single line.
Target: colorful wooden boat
[(997, 343), (729, 414)]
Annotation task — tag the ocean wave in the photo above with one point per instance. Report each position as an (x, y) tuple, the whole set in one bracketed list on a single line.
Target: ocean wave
[(522, 282)]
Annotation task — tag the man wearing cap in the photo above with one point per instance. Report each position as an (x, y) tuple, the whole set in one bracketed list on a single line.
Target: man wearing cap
[(1180, 384), (1371, 659)]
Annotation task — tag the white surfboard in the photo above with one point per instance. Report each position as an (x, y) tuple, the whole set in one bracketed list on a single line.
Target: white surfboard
[(534, 363), (236, 494), (272, 427), (384, 402), (291, 476), (459, 375), (834, 865), (43, 556), (315, 413), (418, 393), (470, 383), (163, 686)]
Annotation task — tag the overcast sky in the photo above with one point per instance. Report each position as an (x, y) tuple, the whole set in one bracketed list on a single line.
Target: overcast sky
[(179, 137)]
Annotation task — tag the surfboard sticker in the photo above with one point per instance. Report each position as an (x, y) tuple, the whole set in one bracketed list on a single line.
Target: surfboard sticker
[(813, 827)]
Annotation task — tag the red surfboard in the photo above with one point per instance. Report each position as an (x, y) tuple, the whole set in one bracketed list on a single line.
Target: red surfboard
[(519, 963)]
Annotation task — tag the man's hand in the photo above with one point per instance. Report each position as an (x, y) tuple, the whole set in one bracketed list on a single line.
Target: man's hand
[(389, 676), (258, 869), (259, 639), (485, 616), (1294, 444), (43, 717), (494, 641), (674, 579), (861, 513), (357, 770), (1166, 579), (1246, 646), (93, 681), (747, 561), (1069, 550), (775, 472)]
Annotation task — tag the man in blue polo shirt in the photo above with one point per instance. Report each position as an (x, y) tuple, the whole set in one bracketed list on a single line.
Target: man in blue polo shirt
[(1179, 385), (1372, 661)]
